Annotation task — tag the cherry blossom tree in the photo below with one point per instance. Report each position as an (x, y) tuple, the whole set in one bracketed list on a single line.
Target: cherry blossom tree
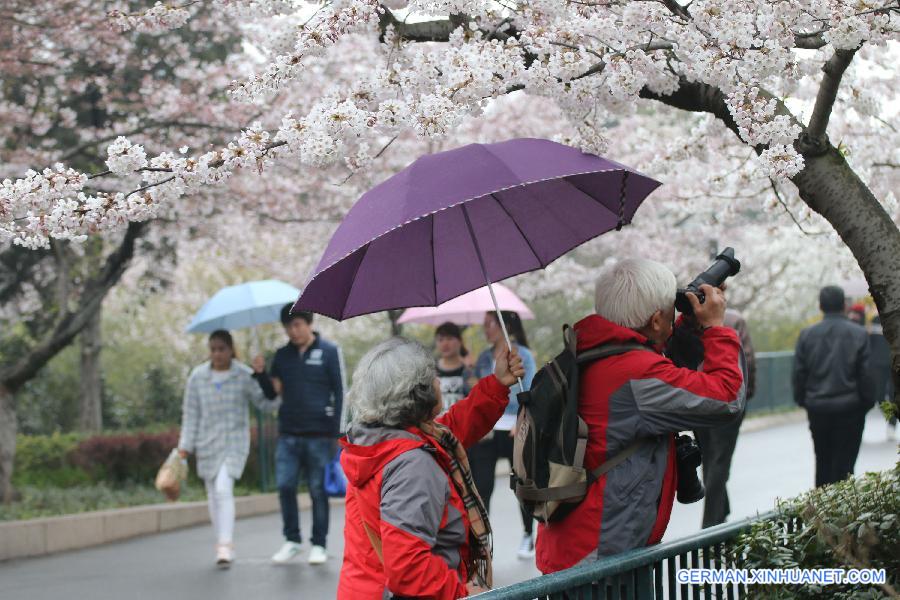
[(748, 110)]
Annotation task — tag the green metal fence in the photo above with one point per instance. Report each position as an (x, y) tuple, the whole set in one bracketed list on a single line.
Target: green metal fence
[(266, 437), (773, 382), (643, 574)]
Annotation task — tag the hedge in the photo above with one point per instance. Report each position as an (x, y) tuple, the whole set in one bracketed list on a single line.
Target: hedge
[(120, 459), (851, 524)]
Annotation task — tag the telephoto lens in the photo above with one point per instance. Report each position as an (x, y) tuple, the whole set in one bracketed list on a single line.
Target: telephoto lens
[(725, 266), (687, 459)]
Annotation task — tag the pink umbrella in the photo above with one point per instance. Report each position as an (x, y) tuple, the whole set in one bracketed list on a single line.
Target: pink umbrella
[(469, 308)]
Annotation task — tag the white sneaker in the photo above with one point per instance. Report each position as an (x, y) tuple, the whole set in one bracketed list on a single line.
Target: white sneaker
[(526, 548), (317, 555), (224, 556), (288, 551)]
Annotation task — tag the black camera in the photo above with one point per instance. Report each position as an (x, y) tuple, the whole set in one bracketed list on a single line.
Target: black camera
[(725, 266), (687, 459)]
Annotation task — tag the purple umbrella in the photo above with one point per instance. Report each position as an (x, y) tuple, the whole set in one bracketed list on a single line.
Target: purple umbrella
[(452, 221)]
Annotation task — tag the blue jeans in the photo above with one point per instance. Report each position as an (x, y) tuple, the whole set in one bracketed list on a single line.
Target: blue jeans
[(311, 454)]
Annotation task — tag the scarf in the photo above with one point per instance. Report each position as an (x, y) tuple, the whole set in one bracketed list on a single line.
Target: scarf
[(478, 563)]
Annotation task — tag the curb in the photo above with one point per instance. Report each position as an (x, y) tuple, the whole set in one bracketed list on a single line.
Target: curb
[(753, 423), (48, 535)]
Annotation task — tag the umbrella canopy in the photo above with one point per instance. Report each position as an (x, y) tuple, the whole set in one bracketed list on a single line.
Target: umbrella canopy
[(244, 305), (469, 308), (453, 221)]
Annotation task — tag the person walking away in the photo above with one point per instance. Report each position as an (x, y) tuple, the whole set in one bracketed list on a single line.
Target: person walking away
[(880, 371), (831, 381), (308, 375), (415, 526), (857, 314), (452, 371), (717, 443), (499, 443), (215, 427), (634, 403)]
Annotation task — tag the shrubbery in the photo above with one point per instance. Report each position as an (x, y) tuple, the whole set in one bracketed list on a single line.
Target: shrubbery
[(63, 473), (851, 524)]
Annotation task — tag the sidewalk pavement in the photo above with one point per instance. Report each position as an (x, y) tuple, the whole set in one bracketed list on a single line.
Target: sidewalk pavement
[(769, 463)]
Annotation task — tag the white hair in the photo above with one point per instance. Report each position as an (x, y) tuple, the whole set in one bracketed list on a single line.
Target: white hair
[(630, 291), (393, 385)]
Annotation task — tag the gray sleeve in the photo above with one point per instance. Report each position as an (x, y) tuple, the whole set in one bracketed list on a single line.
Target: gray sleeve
[(414, 492)]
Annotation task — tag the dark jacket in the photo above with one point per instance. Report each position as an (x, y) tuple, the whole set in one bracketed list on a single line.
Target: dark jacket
[(312, 388), (831, 365), (635, 395)]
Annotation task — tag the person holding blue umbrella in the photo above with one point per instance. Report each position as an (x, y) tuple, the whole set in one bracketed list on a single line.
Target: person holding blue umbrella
[(215, 427)]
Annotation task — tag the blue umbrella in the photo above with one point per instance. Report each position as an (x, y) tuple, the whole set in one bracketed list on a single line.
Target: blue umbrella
[(244, 305)]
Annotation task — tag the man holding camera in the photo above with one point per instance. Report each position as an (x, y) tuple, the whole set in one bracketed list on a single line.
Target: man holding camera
[(634, 403)]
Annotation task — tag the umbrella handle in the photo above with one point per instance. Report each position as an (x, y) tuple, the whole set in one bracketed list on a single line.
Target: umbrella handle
[(489, 286)]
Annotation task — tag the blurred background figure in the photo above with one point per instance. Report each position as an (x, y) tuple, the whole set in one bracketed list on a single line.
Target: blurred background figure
[(215, 427), (452, 371), (717, 443), (498, 444), (831, 381), (857, 313), (880, 369)]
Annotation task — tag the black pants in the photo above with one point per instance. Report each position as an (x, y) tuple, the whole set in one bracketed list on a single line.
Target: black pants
[(483, 458), (836, 439), (717, 447)]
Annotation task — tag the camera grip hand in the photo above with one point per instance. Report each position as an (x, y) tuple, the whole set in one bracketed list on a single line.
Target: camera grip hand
[(711, 313)]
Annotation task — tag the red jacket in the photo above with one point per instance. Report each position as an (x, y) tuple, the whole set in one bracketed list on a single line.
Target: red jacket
[(398, 484), (638, 395)]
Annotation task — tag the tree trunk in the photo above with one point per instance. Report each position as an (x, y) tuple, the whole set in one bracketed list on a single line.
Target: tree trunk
[(8, 428), (90, 417), (57, 336), (831, 188)]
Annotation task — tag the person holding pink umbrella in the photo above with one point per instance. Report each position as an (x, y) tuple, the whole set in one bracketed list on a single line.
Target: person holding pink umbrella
[(498, 444)]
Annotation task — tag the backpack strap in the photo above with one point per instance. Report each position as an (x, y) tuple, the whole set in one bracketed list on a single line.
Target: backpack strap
[(607, 350), (620, 458), (599, 353)]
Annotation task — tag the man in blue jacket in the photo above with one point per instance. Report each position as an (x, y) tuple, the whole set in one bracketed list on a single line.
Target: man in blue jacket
[(308, 375)]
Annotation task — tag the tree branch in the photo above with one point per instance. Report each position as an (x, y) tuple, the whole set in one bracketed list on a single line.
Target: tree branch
[(70, 323), (425, 31), (791, 214), (828, 89)]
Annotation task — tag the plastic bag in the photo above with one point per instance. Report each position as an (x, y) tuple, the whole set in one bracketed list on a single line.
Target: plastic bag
[(335, 480), (171, 474)]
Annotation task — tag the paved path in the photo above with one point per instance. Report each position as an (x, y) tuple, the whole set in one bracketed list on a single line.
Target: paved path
[(770, 463)]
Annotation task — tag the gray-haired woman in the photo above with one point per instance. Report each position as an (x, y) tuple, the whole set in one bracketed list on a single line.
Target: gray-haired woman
[(215, 426), (415, 525)]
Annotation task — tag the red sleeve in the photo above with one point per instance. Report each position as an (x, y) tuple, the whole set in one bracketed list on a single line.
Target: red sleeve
[(670, 398), (473, 417), (412, 569)]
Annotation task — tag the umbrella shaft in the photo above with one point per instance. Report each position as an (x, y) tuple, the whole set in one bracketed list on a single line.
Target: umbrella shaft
[(490, 287)]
